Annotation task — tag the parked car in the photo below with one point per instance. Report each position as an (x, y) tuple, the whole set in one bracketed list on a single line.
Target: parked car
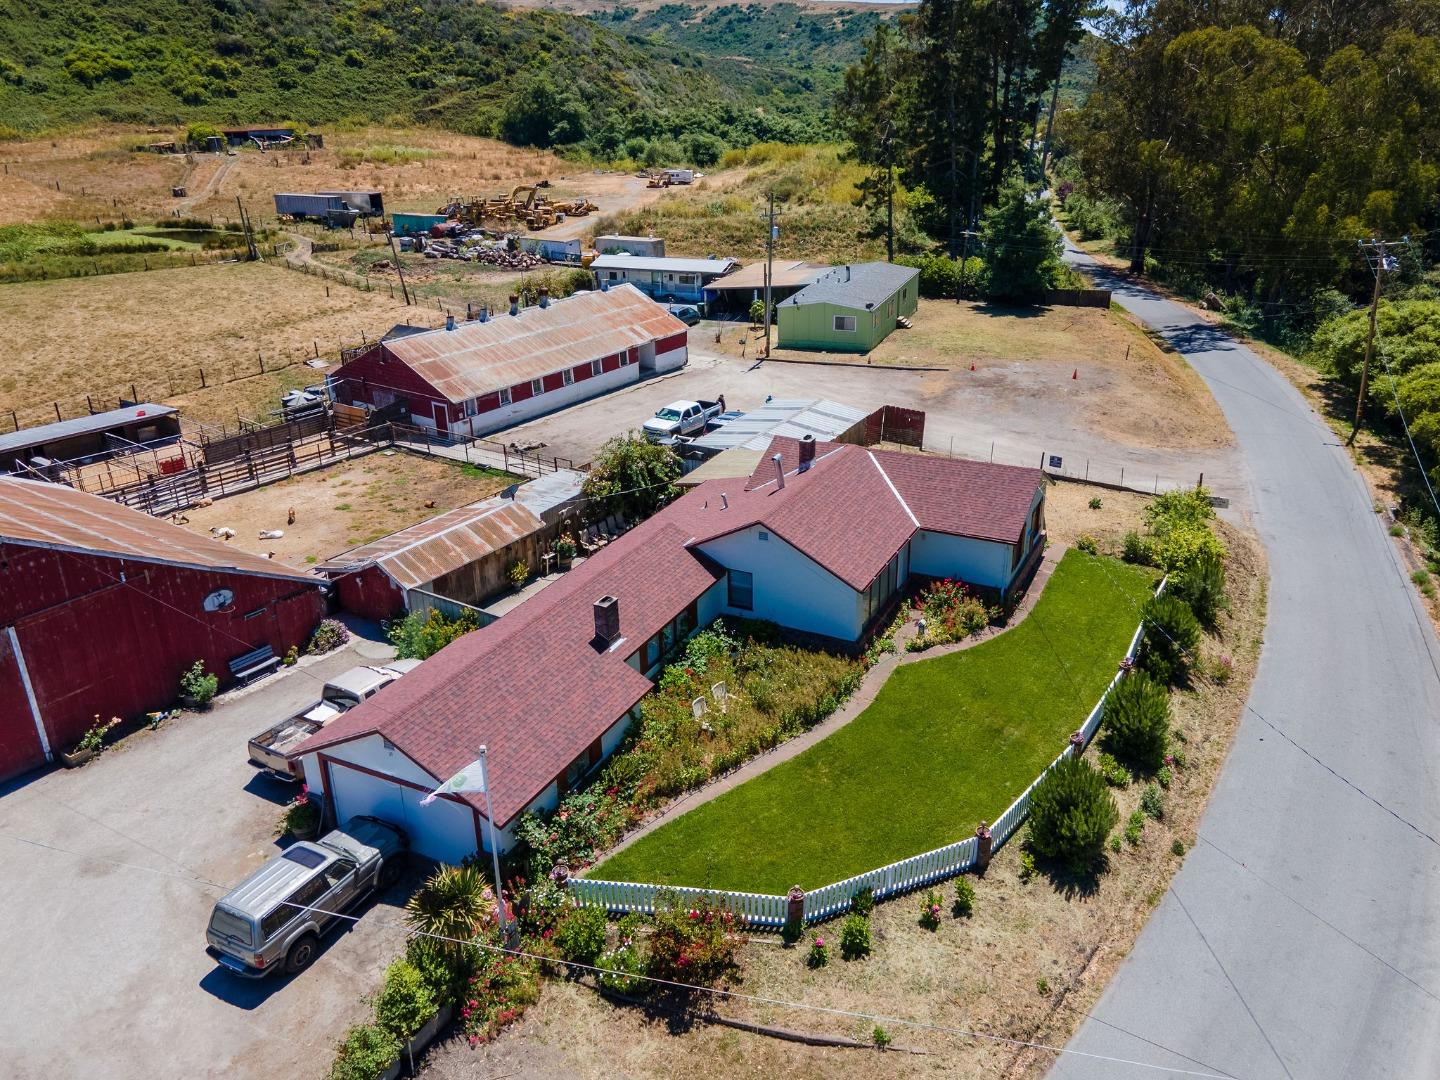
[(682, 418), (276, 916), (689, 314), (341, 694)]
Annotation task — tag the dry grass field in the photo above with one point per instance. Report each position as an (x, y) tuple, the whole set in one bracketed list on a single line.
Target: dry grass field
[(341, 506), (158, 329), (417, 169)]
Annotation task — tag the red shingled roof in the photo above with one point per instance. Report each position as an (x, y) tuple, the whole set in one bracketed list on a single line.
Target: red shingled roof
[(536, 691)]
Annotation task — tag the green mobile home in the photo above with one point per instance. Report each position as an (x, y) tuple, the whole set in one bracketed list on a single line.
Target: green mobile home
[(850, 308)]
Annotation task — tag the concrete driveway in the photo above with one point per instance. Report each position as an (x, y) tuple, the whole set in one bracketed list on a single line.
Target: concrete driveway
[(999, 416), (103, 970), (1302, 936)]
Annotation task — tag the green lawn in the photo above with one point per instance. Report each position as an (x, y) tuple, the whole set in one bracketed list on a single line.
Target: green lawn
[(948, 742)]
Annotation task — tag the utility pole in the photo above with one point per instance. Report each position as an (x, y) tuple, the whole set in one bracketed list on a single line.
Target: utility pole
[(398, 269), (769, 268), (1377, 254)]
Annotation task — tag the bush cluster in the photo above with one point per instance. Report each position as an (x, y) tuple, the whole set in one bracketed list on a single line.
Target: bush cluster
[(952, 613), (420, 635), (1071, 814), (1136, 722), (1172, 635), (694, 944), (855, 936)]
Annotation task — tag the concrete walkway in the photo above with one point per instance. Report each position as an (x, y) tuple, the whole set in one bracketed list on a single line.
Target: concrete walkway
[(857, 703)]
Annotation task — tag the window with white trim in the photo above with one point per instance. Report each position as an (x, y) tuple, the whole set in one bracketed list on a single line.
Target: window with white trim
[(472, 406), (688, 279), (845, 324), (505, 396), (741, 587), (569, 377), (595, 367), (536, 388)]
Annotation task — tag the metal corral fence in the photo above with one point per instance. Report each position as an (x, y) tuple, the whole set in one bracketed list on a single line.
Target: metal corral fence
[(829, 901)]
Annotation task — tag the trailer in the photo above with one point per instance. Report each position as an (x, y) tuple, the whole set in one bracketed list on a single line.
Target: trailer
[(417, 224), (555, 251), (330, 209)]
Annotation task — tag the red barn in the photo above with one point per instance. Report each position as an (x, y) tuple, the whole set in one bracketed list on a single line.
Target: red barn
[(480, 376), (102, 608)]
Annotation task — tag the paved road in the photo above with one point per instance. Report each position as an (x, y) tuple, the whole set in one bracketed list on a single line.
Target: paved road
[(1301, 939), (103, 970)]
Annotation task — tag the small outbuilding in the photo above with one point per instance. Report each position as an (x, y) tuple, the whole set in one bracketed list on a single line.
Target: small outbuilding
[(851, 308), (666, 280), (117, 431)]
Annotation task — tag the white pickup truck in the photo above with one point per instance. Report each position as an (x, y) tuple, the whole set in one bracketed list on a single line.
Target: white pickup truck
[(341, 694), (682, 418)]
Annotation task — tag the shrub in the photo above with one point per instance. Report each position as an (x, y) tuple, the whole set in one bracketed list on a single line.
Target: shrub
[(365, 1052), (1152, 804), (94, 737), (965, 897), (930, 911), (1136, 722), (446, 980), (855, 937), (1202, 586), (1095, 503), (952, 613), (819, 954), (518, 572), (1180, 529), (329, 635), (580, 935), (420, 636), (1177, 847), (694, 945), (456, 902), (1138, 550), (1165, 777), (1116, 775), (197, 685), (1028, 870), (405, 1002), (1071, 813), (501, 989), (301, 815), (863, 902), (1088, 544), (621, 969), (1134, 826), (1042, 985), (880, 1037), (1172, 634)]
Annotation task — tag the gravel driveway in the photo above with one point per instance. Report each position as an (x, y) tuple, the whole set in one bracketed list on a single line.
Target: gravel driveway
[(103, 956)]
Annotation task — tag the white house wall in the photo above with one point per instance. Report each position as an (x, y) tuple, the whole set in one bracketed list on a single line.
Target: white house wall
[(980, 562), (789, 587), (580, 390), (673, 360)]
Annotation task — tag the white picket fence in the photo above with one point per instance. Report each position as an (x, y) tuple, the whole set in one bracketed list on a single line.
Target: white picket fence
[(828, 901)]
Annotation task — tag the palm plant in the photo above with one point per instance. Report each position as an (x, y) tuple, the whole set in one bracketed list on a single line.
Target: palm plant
[(456, 904)]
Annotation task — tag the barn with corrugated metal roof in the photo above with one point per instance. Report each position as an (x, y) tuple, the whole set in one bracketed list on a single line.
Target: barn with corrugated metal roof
[(102, 608), (490, 373)]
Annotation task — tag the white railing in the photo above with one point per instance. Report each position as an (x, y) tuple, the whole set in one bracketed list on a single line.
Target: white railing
[(828, 901)]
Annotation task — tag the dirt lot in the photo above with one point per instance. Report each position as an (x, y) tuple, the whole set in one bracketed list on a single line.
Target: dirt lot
[(1089, 361), (101, 334), (345, 505), (1027, 966), (417, 169), (1069, 515)]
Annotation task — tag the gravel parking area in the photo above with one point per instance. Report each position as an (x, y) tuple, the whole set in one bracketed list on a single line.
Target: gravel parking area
[(107, 891)]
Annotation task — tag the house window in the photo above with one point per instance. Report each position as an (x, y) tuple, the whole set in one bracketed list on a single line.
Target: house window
[(536, 388), (472, 406), (845, 323), (595, 367), (505, 396), (688, 279), (577, 768), (614, 275), (624, 359), (742, 590), (569, 377)]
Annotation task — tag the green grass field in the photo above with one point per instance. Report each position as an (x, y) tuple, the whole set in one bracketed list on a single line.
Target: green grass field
[(948, 742)]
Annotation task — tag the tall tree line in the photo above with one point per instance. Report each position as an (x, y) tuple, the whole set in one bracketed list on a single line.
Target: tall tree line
[(950, 97), (1253, 140)]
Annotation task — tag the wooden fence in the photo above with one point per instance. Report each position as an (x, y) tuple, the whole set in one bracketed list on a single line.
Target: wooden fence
[(890, 423), (830, 901), (484, 452)]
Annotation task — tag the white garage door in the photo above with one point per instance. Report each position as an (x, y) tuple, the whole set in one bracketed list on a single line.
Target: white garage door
[(444, 830)]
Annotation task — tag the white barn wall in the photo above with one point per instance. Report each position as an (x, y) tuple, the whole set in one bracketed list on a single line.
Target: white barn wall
[(789, 587), (551, 400)]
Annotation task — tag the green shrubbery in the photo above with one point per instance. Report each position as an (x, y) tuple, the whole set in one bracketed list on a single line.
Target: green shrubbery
[(419, 636), (1136, 722), (580, 934), (1202, 586), (855, 937), (1172, 634), (693, 943), (952, 613), (1071, 814), (405, 1002), (198, 686), (944, 278), (964, 898), (364, 1053)]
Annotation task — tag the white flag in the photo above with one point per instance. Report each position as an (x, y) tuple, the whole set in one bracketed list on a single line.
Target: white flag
[(470, 778)]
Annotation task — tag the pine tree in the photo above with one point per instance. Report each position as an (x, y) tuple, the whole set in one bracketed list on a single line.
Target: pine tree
[(1172, 634), (1071, 814), (1137, 722), (1020, 244)]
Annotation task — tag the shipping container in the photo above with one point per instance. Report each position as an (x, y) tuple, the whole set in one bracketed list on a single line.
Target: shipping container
[(364, 203)]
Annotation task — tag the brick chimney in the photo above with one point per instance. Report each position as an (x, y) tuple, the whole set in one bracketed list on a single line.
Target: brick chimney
[(807, 452), (607, 621)]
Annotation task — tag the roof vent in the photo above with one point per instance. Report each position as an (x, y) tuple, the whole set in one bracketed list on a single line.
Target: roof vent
[(607, 621), (484, 313), (449, 322), (807, 452), (514, 304), (724, 501), (779, 472), (544, 297)]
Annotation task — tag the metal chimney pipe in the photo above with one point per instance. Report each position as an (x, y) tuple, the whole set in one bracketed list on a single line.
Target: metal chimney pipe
[(544, 297), (779, 472), (724, 501), (514, 304), (449, 322)]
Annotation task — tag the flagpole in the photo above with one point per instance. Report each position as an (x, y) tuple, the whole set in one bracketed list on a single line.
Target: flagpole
[(494, 847)]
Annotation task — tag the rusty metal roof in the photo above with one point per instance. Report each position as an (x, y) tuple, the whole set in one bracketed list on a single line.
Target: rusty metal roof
[(480, 357), (38, 514), (418, 555)]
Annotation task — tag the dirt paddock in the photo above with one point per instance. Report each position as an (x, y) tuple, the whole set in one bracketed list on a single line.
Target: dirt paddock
[(344, 505)]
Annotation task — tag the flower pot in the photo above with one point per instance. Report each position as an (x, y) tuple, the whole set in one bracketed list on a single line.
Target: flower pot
[(73, 759), (307, 833), (194, 703), (564, 562)]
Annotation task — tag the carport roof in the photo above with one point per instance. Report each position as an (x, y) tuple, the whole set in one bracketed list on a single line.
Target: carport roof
[(38, 514), (82, 425)]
